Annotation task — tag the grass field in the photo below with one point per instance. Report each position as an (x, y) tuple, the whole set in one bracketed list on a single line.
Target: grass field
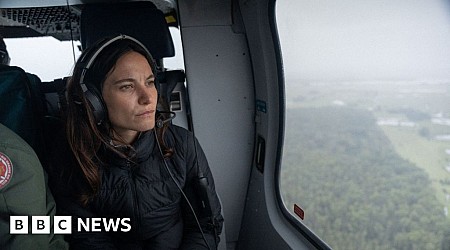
[(425, 153)]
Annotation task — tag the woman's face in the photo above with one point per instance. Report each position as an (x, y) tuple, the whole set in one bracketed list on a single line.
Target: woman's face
[(130, 95)]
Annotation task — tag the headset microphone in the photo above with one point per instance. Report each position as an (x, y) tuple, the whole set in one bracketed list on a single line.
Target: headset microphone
[(160, 122)]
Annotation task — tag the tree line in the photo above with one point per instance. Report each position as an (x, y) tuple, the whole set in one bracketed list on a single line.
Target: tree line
[(356, 191)]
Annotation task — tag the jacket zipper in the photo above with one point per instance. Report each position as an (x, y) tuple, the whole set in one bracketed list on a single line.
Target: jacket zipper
[(135, 199)]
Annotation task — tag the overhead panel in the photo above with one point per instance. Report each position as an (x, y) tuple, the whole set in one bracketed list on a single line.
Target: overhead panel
[(61, 22)]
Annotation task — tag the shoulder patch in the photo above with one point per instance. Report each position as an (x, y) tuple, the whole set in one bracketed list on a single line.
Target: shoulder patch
[(6, 170)]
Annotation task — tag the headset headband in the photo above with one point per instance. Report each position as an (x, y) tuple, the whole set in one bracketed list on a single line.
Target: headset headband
[(91, 93), (106, 44)]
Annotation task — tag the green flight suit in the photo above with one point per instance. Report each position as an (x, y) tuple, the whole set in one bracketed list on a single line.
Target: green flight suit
[(24, 192)]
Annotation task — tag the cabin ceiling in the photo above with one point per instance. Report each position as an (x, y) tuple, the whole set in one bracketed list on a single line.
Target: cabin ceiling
[(61, 22), (52, 18)]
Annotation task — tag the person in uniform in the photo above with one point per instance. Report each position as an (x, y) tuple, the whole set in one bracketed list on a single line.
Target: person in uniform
[(23, 192)]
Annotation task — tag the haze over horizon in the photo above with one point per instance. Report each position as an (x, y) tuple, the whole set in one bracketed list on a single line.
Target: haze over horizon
[(365, 40)]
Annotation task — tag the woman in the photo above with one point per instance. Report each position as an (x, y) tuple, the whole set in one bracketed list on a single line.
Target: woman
[(122, 166)]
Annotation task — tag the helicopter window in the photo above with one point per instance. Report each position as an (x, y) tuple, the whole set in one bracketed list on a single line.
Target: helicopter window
[(176, 62), (51, 59), (366, 156), (45, 57)]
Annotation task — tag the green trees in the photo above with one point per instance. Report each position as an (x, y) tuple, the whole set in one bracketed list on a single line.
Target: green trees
[(356, 191)]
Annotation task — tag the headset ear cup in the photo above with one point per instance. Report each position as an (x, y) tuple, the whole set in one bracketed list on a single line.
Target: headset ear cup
[(96, 102), (91, 93)]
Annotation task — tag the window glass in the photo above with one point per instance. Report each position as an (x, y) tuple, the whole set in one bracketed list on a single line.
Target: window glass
[(45, 57), (51, 59), (367, 137), (176, 62)]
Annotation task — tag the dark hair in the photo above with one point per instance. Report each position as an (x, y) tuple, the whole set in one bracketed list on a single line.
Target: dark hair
[(84, 135), (4, 56)]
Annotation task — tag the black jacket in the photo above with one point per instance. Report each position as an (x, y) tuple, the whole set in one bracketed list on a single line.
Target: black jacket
[(140, 188)]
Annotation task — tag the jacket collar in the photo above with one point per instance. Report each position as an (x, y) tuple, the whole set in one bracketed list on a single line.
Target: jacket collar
[(144, 146), (139, 151)]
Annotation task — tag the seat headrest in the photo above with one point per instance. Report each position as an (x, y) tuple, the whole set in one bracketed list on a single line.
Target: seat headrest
[(141, 20)]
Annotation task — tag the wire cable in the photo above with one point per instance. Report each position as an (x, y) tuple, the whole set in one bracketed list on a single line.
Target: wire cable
[(181, 190), (71, 32)]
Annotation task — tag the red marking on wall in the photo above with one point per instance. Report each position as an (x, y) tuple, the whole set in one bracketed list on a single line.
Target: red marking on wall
[(299, 212)]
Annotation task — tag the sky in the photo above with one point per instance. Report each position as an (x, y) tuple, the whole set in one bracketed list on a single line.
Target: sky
[(378, 39), (44, 56), (320, 39)]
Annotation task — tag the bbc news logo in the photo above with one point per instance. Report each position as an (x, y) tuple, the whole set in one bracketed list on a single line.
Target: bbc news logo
[(63, 225)]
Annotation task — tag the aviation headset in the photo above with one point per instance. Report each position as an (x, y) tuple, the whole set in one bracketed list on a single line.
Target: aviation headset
[(91, 92)]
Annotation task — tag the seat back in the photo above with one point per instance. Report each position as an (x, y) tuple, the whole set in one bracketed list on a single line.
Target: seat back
[(22, 106), (141, 20)]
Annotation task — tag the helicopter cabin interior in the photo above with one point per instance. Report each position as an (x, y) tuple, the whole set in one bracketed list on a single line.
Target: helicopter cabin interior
[(230, 93)]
